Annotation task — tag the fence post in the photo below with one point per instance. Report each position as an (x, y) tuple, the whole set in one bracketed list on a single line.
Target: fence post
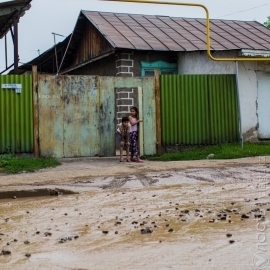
[(141, 130), (35, 111), (158, 118)]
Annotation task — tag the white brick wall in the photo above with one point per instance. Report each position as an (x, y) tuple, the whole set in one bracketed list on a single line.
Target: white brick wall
[(123, 105), (124, 65)]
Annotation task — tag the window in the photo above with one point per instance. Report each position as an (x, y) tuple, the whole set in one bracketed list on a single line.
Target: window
[(164, 67)]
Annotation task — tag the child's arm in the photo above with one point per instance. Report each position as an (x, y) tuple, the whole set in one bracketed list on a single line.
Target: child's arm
[(134, 122)]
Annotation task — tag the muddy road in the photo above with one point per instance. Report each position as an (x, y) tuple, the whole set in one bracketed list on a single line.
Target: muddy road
[(102, 214)]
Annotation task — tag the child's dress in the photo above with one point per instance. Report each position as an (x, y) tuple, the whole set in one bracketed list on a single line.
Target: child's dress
[(134, 151)]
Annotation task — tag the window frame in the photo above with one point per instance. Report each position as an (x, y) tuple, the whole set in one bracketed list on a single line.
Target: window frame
[(161, 65)]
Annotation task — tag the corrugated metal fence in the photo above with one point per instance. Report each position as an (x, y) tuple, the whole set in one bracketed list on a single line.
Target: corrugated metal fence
[(199, 109), (16, 115)]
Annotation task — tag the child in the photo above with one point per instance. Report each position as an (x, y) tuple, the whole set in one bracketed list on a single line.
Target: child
[(134, 121), (123, 132)]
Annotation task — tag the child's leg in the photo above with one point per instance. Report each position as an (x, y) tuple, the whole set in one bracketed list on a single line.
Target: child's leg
[(127, 151), (136, 149), (121, 146), (121, 153), (135, 144), (131, 145)]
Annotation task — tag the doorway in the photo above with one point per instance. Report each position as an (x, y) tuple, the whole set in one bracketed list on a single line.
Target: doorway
[(126, 97)]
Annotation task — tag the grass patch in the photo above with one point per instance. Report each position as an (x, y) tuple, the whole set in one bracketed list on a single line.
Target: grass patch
[(11, 164), (224, 151)]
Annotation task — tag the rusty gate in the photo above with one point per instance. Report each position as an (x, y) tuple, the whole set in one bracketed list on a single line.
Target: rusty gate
[(76, 114)]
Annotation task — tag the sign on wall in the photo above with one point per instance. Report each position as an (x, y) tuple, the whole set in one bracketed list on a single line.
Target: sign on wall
[(16, 86)]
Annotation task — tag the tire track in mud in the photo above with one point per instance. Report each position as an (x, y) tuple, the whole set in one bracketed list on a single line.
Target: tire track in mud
[(215, 175), (119, 182), (262, 171), (199, 178), (227, 173), (146, 180)]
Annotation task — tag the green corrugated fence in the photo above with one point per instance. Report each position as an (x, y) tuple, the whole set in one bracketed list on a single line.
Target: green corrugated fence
[(16, 115), (199, 109)]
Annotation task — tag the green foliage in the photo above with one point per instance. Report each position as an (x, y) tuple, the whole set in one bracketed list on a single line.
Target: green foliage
[(6, 156), (267, 23), (225, 151), (8, 150), (12, 164)]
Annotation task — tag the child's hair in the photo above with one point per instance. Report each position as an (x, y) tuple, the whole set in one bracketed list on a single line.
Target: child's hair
[(136, 110), (125, 119)]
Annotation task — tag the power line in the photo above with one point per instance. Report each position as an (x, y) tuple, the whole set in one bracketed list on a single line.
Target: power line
[(242, 11)]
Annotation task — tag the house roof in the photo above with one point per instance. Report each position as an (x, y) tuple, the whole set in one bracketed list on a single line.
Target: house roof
[(46, 62), (157, 33), (163, 33), (10, 10)]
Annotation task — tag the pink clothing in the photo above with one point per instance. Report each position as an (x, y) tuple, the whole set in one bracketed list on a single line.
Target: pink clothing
[(135, 127)]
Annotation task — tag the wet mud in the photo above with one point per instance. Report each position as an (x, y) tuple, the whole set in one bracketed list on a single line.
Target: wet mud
[(39, 192), (197, 218)]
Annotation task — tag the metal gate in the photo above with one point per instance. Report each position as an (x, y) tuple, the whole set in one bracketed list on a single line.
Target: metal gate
[(199, 109), (76, 114), (16, 114)]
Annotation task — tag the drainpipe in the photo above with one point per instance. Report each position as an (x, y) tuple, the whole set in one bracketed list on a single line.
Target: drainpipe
[(239, 107)]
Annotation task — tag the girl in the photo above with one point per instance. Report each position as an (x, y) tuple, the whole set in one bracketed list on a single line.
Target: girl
[(134, 121)]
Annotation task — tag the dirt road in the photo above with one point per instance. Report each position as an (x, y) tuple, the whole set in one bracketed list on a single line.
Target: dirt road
[(177, 215)]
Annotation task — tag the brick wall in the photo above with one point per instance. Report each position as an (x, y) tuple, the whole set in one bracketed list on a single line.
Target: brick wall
[(125, 99), (124, 64)]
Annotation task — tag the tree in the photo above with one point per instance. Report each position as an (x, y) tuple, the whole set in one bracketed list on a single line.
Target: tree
[(267, 23)]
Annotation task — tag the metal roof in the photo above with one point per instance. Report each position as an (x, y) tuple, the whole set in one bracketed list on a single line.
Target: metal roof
[(10, 10), (163, 33), (149, 32)]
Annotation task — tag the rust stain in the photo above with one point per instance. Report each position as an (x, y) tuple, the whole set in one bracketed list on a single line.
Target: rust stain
[(50, 116), (77, 114)]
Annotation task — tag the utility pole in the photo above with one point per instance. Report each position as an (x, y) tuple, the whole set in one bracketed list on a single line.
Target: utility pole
[(16, 51), (54, 34)]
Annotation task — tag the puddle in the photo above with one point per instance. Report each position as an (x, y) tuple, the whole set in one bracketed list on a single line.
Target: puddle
[(34, 193)]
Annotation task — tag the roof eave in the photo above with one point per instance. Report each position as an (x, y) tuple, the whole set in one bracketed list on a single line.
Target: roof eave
[(16, 10), (87, 62)]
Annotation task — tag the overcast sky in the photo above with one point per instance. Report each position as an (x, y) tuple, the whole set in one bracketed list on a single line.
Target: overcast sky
[(60, 16)]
